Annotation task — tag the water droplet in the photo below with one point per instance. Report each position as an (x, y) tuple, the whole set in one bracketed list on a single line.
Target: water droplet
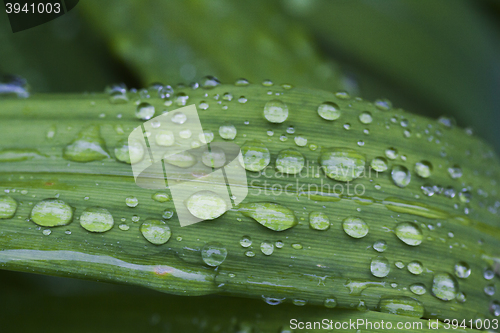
[(203, 105), (227, 131), (267, 248), (423, 169), (88, 146), (164, 138), (96, 219), (213, 254), (380, 267), (279, 244), (123, 227), (447, 121), (241, 82), (355, 227), (399, 264), (160, 197), (8, 207), (444, 286), (14, 85), (319, 221), (329, 111), (275, 111), (418, 288), (342, 164), (185, 133), (380, 245), (46, 232), (271, 215), (455, 171), (299, 302), (401, 176), (409, 233), (379, 164), (179, 118), (51, 213), (145, 111), (300, 141), (129, 151), (118, 97), (131, 202), (297, 246), (495, 308), (181, 99), (215, 158), (490, 290), (256, 156), (206, 205), (462, 270), (391, 153), (135, 218), (383, 104), (267, 83), (415, 267), (402, 306), (330, 303), (155, 231), (183, 159), (290, 161), (209, 82), (365, 117), (206, 136), (488, 274), (250, 254), (246, 241)]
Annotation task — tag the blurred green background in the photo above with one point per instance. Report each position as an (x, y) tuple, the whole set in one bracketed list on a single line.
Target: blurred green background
[(429, 57)]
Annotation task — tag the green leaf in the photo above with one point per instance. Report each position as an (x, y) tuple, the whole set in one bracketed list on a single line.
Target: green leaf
[(453, 229)]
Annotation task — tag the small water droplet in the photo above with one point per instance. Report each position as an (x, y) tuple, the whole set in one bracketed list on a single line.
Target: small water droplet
[(275, 111), (129, 151), (123, 227), (423, 169), (383, 104), (250, 254), (415, 267), (255, 155), (462, 270), (380, 267), (160, 197), (206, 205), (365, 117), (379, 164), (355, 227), (155, 231), (96, 219), (290, 161), (319, 221), (418, 288), (380, 245), (271, 215), (300, 141), (330, 303), (246, 241), (267, 248), (297, 246), (402, 306), (144, 111), (444, 286), (329, 111), (164, 138), (227, 131), (166, 215), (409, 233), (455, 171), (131, 202), (391, 153), (342, 164), (213, 254), (88, 146), (401, 176), (46, 232)]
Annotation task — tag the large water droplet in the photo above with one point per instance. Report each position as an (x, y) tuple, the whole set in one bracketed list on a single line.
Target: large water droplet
[(290, 161), (271, 215), (342, 164), (355, 227), (206, 205), (379, 164), (444, 286), (462, 270), (275, 111), (410, 233), (255, 155), (402, 306), (401, 176), (228, 131), (52, 213), (88, 146), (380, 267), (329, 111), (267, 248), (156, 231), (129, 151), (96, 219), (8, 207), (145, 111), (319, 221), (423, 169), (213, 254)]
